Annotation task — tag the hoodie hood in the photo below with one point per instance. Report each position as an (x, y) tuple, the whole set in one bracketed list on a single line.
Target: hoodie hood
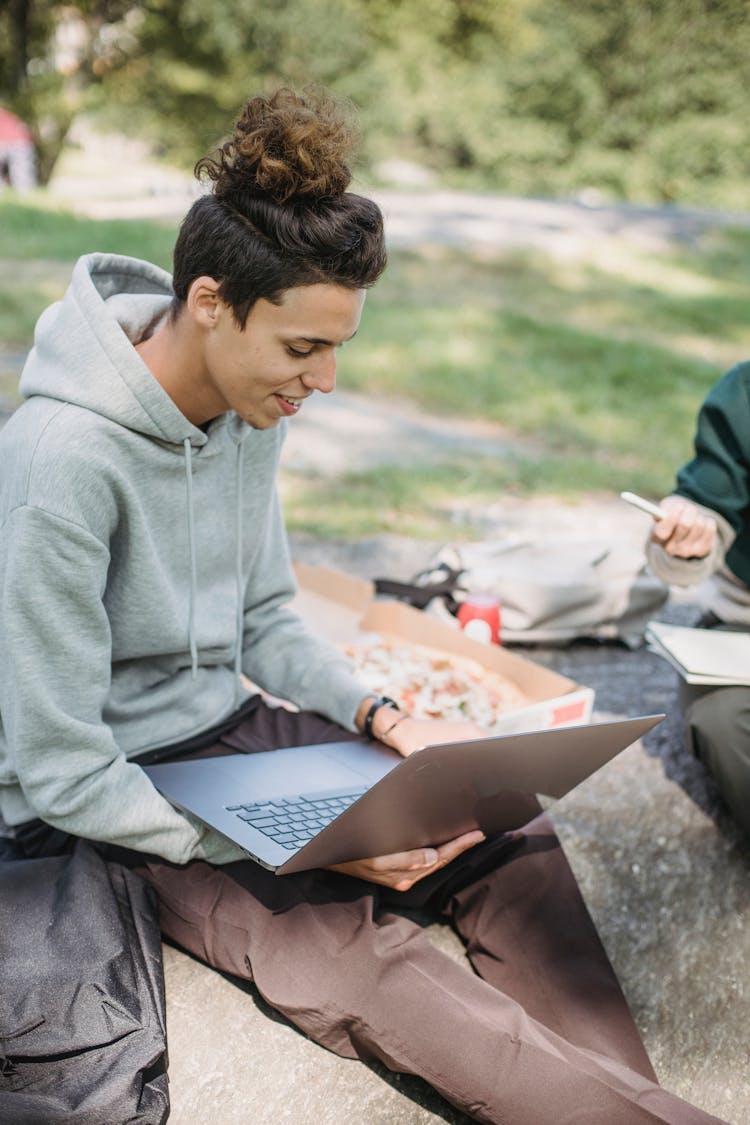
[(83, 348), (84, 356)]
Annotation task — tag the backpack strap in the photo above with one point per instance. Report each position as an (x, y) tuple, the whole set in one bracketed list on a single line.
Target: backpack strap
[(420, 592)]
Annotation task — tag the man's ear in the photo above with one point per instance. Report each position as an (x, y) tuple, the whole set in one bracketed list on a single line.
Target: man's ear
[(203, 301)]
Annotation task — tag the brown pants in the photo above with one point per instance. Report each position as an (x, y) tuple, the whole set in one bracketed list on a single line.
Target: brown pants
[(538, 1034)]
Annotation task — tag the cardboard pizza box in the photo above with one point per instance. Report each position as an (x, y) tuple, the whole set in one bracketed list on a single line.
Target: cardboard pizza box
[(345, 610)]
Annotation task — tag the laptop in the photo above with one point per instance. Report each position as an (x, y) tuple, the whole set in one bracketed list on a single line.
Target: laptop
[(301, 807)]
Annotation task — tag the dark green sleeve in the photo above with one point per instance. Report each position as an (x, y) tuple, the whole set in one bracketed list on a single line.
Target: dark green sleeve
[(718, 476)]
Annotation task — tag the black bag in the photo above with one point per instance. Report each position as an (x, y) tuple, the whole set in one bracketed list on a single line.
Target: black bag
[(82, 1007)]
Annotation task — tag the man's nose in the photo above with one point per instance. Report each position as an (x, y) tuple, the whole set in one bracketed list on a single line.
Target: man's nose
[(321, 374)]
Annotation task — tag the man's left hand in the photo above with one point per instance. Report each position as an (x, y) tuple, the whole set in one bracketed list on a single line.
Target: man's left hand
[(409, 735)]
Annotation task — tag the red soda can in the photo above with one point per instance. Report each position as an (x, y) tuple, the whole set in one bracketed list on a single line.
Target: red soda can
[(479, 617)]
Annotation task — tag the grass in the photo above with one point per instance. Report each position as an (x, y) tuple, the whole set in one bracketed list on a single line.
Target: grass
[(576, 390), (439, 501), (38, 246), (29, 231), (602, 358)]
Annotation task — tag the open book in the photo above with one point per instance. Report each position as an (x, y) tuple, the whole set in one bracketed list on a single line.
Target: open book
[(713, 657)]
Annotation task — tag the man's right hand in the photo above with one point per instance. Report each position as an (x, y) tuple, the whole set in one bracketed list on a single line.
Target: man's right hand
[(403, 870), (686, 532)]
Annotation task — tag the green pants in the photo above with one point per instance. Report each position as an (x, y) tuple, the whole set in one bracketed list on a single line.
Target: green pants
[(718, 730)]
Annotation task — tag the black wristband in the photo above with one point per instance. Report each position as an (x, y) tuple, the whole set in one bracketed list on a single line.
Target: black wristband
[(381, 701)]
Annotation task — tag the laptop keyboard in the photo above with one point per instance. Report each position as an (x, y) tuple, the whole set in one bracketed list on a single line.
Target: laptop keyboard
[(294, 821)]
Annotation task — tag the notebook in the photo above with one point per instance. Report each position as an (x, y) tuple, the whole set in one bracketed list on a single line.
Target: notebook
[(365, 800), (713, 657)]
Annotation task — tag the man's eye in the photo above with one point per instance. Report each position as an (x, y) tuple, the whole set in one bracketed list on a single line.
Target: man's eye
[(298, 352)]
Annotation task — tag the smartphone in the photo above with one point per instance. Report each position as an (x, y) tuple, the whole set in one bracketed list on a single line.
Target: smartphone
[(652, 510)]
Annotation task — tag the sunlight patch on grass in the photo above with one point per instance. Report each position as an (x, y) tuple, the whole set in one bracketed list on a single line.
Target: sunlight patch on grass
[(705, 317), (658, 272), (549, 381)]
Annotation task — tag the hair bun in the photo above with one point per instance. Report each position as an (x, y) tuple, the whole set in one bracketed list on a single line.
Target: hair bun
[(285, 146)]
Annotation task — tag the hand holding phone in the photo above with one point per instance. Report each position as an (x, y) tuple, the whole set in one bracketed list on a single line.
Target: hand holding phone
[(687, 533)]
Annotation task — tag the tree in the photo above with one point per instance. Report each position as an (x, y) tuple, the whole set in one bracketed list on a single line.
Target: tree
[(424, 74), (51, 55), (641, 99), (649, 96)]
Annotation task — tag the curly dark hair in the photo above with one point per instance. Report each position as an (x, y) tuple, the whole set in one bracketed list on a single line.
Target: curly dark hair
[(279, 214)]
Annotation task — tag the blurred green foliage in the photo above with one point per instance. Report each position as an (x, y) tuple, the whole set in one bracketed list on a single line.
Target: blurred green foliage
[(642, 99)]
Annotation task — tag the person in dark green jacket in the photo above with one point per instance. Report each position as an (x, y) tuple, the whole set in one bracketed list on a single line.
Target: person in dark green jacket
[(704, 540)]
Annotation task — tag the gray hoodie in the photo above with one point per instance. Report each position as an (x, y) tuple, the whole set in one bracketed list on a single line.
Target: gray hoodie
[(143, 569)]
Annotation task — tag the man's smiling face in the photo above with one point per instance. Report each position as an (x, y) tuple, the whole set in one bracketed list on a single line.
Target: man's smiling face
[(265, 370)]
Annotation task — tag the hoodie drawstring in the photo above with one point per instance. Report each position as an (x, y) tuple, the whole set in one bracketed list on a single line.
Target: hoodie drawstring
[(238, 579), (193, 568), (240, 622)]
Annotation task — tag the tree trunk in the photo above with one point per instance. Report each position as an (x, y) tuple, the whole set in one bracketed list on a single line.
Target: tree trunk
[(19, 53)]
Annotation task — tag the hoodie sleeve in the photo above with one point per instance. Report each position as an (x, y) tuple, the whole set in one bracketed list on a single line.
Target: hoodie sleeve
[(54, 678), (279, 653), (690, 572), (718, 476), (717, 479)]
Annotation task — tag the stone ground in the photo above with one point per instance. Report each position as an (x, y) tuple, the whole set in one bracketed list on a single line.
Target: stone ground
[(663, 871), (662, 868)]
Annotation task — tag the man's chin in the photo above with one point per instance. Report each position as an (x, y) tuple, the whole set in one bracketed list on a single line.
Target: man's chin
[(261, 423)]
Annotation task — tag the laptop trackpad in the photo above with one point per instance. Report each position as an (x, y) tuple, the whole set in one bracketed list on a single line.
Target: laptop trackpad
[(370, 760), (306, 769)]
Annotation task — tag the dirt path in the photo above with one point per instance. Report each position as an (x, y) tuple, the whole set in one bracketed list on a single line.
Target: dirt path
[(144, 188), (565, 227), (472, 220)]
